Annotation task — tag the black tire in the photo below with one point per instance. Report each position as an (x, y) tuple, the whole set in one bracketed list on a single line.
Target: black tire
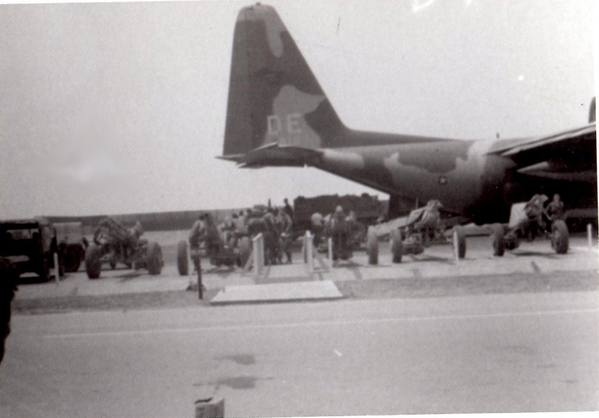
[(372, 247), (93, 262), (72, 259), (396, 246), (61, 270), (461, 241), (560, 238), (182, 260), (154, 261), (498, 240), (245, 249), (44, 271)]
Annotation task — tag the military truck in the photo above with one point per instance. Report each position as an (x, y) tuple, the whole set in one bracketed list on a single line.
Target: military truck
[(30, 245), (71, 244)]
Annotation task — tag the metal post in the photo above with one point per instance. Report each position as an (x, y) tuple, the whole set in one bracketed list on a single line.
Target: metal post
[(304, 249), (330, 249), (456, 250), (188, 255), (262, 253), (189, 270), (56, 269), (590, 236), (200, 290), (258, 254), (310, 251)]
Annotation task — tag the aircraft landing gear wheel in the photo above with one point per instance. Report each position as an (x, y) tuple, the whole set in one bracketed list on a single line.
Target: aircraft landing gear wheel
[(396, 246), (560, 239), (372, 247), (182, 261), (461, 241), (498, 240)]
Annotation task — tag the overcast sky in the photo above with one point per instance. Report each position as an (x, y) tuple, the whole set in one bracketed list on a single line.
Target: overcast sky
[(120, 107)]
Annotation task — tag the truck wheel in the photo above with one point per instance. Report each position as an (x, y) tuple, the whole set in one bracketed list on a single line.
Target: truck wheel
[(245, 249), (154, 258), (93, 262), (372, 247), (61, 270), (72, 259), (44, 270), (182, 260), (498, 240), (461, 241), (396, 246), (560, 239)]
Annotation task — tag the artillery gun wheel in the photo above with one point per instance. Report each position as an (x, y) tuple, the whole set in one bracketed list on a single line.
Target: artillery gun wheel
[(498, 240), (372, 247), (560, 239), (396, 246), (245, 249), (154, 258), (93, 262), (461, 241), (182, 260)]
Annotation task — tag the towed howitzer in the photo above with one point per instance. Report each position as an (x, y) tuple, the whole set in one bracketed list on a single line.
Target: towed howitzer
[(114, 244)]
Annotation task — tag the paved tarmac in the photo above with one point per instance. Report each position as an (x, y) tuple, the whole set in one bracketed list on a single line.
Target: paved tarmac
[(486, 334), (478, 353)]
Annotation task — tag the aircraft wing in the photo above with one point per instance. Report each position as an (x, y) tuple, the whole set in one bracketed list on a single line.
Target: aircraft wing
[(569, 155), (274, 154)]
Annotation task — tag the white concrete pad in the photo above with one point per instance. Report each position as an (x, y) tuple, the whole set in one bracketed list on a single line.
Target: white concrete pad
[(277, 292)]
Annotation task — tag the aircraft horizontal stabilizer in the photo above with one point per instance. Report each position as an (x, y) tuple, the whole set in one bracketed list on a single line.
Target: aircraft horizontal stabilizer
[(274, 154)]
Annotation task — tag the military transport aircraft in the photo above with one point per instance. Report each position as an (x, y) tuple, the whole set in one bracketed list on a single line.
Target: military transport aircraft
[(278, 115)]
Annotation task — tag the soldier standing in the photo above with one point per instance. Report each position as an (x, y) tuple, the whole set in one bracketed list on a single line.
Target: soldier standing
[(271, 237), (194, 234), (285, 226), (288, 209), (555, 209), (317, 227), (338, 231), (534, 212), (241, 223), (205, 230)]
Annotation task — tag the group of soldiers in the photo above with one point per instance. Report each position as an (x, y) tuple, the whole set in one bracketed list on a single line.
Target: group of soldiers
[(275, 225), (345, 231)]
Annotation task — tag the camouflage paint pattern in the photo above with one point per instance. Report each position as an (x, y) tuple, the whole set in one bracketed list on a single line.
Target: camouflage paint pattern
[(278, 115)]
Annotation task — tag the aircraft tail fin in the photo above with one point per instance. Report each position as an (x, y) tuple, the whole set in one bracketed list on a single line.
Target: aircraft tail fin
[(273, 95)]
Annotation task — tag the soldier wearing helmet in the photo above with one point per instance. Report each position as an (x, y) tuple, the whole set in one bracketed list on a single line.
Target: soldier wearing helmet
[(338, 230), (555, 209)]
